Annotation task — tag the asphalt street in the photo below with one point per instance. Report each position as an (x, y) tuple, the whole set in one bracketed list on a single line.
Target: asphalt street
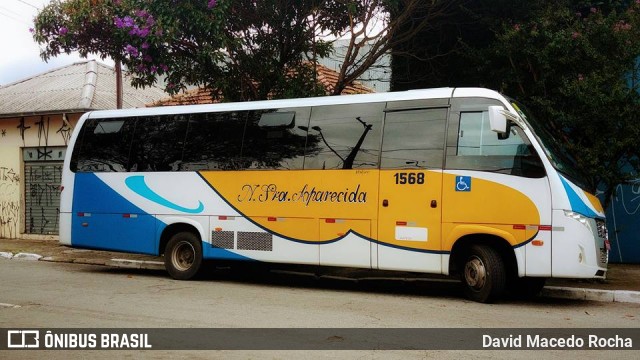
[(48, 294)]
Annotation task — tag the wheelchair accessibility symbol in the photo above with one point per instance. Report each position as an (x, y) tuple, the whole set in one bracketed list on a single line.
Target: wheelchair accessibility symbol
[(463, 183)]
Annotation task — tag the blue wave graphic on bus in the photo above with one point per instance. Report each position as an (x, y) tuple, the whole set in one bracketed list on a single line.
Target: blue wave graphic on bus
[(138, 185), (577, 204)]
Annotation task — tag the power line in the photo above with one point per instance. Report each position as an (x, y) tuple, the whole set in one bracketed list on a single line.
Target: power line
[(26, 3), (14, 18), (10, 11), (13, 15)]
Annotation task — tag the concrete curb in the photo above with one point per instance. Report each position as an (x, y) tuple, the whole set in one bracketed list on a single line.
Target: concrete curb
[(27, 256), (136, 264), (90, 261), (626, 296), (622, 296), (571, 293), (118, 263), (54, 259)]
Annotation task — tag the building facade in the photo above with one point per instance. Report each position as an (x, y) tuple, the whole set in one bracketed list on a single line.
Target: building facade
[(377, 77), (37, 117)]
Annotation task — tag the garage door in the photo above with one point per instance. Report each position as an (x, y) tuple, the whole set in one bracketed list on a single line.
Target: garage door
[(42, 176)]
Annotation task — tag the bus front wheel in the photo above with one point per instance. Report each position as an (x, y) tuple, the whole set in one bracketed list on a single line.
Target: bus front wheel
[(483, 274), (183, 255)]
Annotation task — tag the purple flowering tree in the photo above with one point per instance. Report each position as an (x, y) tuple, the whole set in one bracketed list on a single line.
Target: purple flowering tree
[(67, 27), (240, 50)]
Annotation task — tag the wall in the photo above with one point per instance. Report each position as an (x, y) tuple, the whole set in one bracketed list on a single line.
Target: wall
[(38, 132), (623, 222)]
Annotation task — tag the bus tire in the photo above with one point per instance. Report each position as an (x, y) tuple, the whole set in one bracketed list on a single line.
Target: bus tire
[(183, 255), (483, 274)]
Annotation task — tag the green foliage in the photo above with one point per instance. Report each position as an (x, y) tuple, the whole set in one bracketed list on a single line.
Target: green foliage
[(67, 26), (573, 63), (572, 66), (240, 49)]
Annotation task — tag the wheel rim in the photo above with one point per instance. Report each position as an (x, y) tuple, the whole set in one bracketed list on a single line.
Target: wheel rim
[(183, 256), (475, 273)]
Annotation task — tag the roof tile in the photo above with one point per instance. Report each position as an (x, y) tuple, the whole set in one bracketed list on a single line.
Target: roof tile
[(325, 76)]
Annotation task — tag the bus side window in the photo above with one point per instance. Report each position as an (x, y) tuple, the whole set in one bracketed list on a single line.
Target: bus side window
[(413, 139), (105, 145), (214, 141), (479, 148), (158, 143), (275, 139), (344, 136)]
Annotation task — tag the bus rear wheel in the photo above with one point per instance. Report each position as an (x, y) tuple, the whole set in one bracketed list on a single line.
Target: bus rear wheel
[(483, 274), (183, 256)]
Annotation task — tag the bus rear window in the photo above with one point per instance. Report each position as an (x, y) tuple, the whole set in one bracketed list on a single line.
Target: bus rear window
[(104, 145)]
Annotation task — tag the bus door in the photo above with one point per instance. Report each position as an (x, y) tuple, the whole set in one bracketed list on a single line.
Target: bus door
[(496, 185), (409, 216)]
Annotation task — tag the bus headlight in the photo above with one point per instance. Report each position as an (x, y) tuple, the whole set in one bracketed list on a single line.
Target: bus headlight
[(578, 217)]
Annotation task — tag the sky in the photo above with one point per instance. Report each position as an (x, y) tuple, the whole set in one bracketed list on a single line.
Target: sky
[(19, 53)]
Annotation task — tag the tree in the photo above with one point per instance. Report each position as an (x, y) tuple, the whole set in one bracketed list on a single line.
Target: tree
[(439, 56), (239, 49), (574, 64), (69, 26), (376, 27)]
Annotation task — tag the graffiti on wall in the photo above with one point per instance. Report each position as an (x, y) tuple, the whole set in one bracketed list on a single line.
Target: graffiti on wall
[(42, 198), (23, 128), (43, 131), (65, 130), (622, 221), (630, 200), (29, 193), (43, 125), (9, 202), (9, 215)]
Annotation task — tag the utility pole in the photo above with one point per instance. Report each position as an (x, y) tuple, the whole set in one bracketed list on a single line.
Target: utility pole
[(118, 84)]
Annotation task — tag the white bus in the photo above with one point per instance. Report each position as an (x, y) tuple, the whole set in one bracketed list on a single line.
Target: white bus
[(453, 181)]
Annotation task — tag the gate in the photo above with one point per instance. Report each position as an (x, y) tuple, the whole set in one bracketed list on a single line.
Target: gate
[(42, 176)]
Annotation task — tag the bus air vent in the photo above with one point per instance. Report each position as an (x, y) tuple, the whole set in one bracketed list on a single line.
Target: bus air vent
[(222, 239), (248, 240)]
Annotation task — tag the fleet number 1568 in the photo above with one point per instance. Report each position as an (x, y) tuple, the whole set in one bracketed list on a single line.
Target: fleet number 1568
[(403, 178)]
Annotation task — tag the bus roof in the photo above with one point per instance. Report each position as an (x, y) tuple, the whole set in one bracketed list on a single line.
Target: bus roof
[(437, 93)]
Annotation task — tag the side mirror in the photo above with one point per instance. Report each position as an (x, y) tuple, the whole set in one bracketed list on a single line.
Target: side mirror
[(497, 119)]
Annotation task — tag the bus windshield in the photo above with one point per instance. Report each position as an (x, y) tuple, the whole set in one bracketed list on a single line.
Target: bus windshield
[(551, 140)]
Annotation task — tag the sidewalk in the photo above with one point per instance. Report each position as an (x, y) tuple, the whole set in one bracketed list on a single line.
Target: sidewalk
[(622, 283)]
